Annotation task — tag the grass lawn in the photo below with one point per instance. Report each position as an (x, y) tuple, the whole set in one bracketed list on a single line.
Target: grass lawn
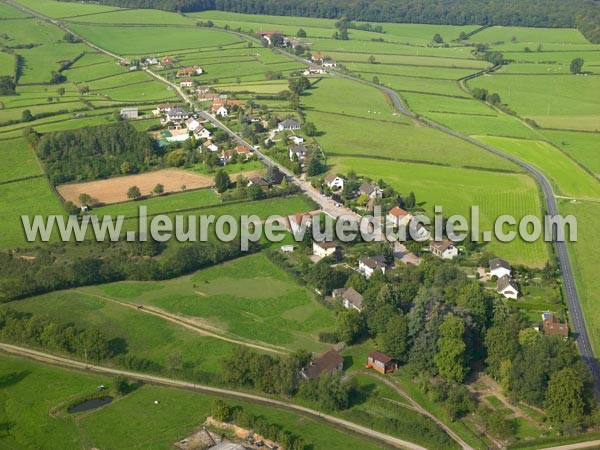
[(232, 298), (524, 34), (30, 389), (566, 176), (456, 189), (18, 160)]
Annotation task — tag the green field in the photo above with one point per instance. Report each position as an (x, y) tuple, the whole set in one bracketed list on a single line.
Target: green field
[(154, 40), (522, 34), (456, 189), (232, 299), (584, 147), (27, 197), (553, 101), (566, 177), (18, 160), (30, 389)]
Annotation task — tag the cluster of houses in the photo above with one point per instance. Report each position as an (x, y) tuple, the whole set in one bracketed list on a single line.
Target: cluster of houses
[(321, 64), (505, 284)]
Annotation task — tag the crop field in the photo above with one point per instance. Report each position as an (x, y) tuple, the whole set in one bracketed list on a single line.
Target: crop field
[(134, 16), (28, 197), (7, 64), (29, 31), (155, 40), (114, 190), (494, 124), (426, 103), (456, 189), (232, 300), (57, 10), (553, 101), (18, 160), (443, 73), (31, 388), (566, 176), (411, 60)]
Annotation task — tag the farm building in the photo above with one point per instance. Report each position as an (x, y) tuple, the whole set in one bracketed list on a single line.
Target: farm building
[(381, 362), (499, 267), (189, 71), (327, 362), (129, 113), (444, 249)]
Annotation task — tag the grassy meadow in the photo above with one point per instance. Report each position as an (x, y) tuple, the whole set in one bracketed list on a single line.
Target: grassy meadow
[(30, 390)]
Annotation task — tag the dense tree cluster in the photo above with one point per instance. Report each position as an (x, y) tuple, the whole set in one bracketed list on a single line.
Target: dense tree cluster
[(96, 152), (65, 338), (533, 13), (7, 85), (63, 268)]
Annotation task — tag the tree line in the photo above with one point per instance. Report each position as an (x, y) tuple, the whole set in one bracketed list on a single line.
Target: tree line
[(531, 13)]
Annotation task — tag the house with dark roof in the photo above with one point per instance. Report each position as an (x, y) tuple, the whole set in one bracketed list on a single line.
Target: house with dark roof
[(443, 249), (370, 264), (327, 362), (334, 181), (351, 299), (507, 287), (297, 151), (381, 362), (288, 124), (371, 190), (499, 267)]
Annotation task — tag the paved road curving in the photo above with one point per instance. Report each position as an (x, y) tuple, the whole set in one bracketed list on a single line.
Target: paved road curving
[(66, 362)]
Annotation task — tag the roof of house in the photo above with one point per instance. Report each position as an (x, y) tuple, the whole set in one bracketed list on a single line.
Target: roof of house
[(298, 149), (441, 246), (242, 149), (330, 177), (497, 263), (190, 120), (367, 188), (258, 181), (323, 244), (373, 262), (397, 212), (381, 357), (505, 282), (353, 297), (164, 106), (177, 112), (218, 106), (325, 362), (552, 325), (209, 143), (288, 123), (187, 80)]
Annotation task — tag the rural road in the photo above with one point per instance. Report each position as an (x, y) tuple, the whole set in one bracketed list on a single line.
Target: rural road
[(66, 362)]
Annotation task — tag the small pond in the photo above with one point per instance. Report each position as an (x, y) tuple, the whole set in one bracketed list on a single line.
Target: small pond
[(90, 404)]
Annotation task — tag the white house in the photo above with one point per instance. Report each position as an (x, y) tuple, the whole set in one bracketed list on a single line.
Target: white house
[(329, 63), (444, 249), (210, 146), (192, 124), (187, 83), (176, 115), (397, 217), (297, 151), (334, 181), (219, 110), (324, 248), (288, 125), (287, 248), (297, 140), (202, 133), (507, 287), (314, 70), (161, 109), (499, 268), (370, 264), (151, 61)]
